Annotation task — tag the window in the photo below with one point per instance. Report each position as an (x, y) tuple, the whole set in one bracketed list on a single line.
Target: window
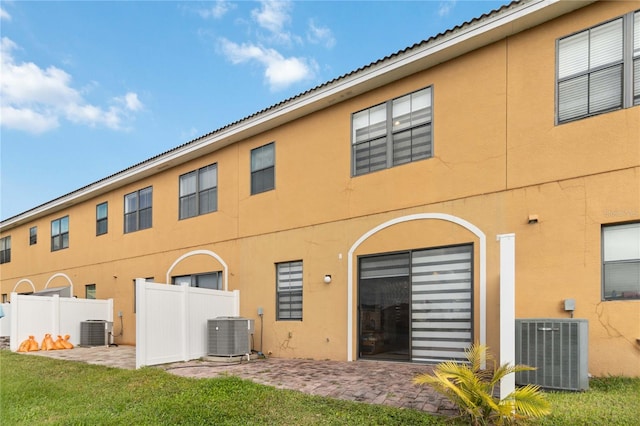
[(90, 291), (199, 192), (636, 58), (60, 233), (211, 280), (137, 210), (5, 250), (393, 133), (102, 224), (621, 261), (33, 235), (289, 290), (595, 68), (5, 299), (263, 168)]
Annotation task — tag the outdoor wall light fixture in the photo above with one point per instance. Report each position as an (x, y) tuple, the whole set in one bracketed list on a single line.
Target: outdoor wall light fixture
[(533, 218), (327, 279)]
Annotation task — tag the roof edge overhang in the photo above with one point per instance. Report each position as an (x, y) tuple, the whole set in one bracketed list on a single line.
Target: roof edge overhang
[(500, 24)]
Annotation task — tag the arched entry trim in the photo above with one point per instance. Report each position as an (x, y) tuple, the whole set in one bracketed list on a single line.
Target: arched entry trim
[(24, 280), (60, 274), (206, 253), (420, 216)]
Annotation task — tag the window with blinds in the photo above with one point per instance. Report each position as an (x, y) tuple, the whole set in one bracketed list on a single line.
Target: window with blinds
[(595, 67), (289, 290), (393, 133), (199, 191), (263, 167), (138, 210), (621, 261)]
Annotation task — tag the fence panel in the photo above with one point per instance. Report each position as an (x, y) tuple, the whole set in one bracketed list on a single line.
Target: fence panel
[(39, 315), (171, 320)]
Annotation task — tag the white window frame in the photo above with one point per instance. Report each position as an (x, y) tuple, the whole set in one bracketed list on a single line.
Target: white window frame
[(200, 190), (5, 249), (597, 69), (393, 133), (135, 211), (621, 261), (289, 291), (263, 163), (60, 234)]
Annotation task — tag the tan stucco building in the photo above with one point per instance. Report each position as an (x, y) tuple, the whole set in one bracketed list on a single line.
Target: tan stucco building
[(392, 183)]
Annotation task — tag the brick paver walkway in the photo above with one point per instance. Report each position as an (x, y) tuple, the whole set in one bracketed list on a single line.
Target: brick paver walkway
[(373, 382)]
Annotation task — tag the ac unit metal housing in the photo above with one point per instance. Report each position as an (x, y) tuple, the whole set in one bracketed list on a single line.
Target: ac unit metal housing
[(95, 332), (229, 336), (557, 348)]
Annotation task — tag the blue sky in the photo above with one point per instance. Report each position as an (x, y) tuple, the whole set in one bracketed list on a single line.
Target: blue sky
[(88, 89)]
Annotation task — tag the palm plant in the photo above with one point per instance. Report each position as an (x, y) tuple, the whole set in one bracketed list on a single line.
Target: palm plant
[(472, 390)]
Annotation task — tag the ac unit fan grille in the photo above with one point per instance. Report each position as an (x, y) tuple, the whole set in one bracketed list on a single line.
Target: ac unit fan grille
[(557, 348), (94, 333)]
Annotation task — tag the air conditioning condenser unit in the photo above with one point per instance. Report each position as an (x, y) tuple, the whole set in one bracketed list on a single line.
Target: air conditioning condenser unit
[(229, 336), (95, 332), (557, 348)]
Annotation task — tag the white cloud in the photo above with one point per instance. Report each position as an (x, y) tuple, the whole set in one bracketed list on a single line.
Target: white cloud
[(320, 35), (273, 16), (217, 11), (34, 99), (279, 72), (446, 7), (4, 15)]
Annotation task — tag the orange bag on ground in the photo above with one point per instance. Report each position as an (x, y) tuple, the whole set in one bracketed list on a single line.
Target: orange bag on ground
[(67, 344), (33, 345), (58, 343), (24, 346), (47, 343)]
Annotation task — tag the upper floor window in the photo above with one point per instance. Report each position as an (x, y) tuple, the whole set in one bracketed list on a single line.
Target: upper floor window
[(598, 68), (621, 261), (5, 249), (393, 133), (199, 191), (289, 290), (137, 210), (102, 221), (263, 165), (33, 235), (211, 280), (60, 233)]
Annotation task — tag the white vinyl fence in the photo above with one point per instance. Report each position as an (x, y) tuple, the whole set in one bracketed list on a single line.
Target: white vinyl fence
[(39, 315), (171, 320)]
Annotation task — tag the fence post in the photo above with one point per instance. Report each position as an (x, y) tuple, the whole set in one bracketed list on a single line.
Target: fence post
[(236, 303), (507, 309), (141, 325), (15, 306), (55, 315)]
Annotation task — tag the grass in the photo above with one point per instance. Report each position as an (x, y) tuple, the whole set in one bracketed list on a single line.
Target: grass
[(609, 401), (44, 391)]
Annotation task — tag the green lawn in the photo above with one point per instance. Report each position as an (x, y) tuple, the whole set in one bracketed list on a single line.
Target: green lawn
[(38, 390)]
